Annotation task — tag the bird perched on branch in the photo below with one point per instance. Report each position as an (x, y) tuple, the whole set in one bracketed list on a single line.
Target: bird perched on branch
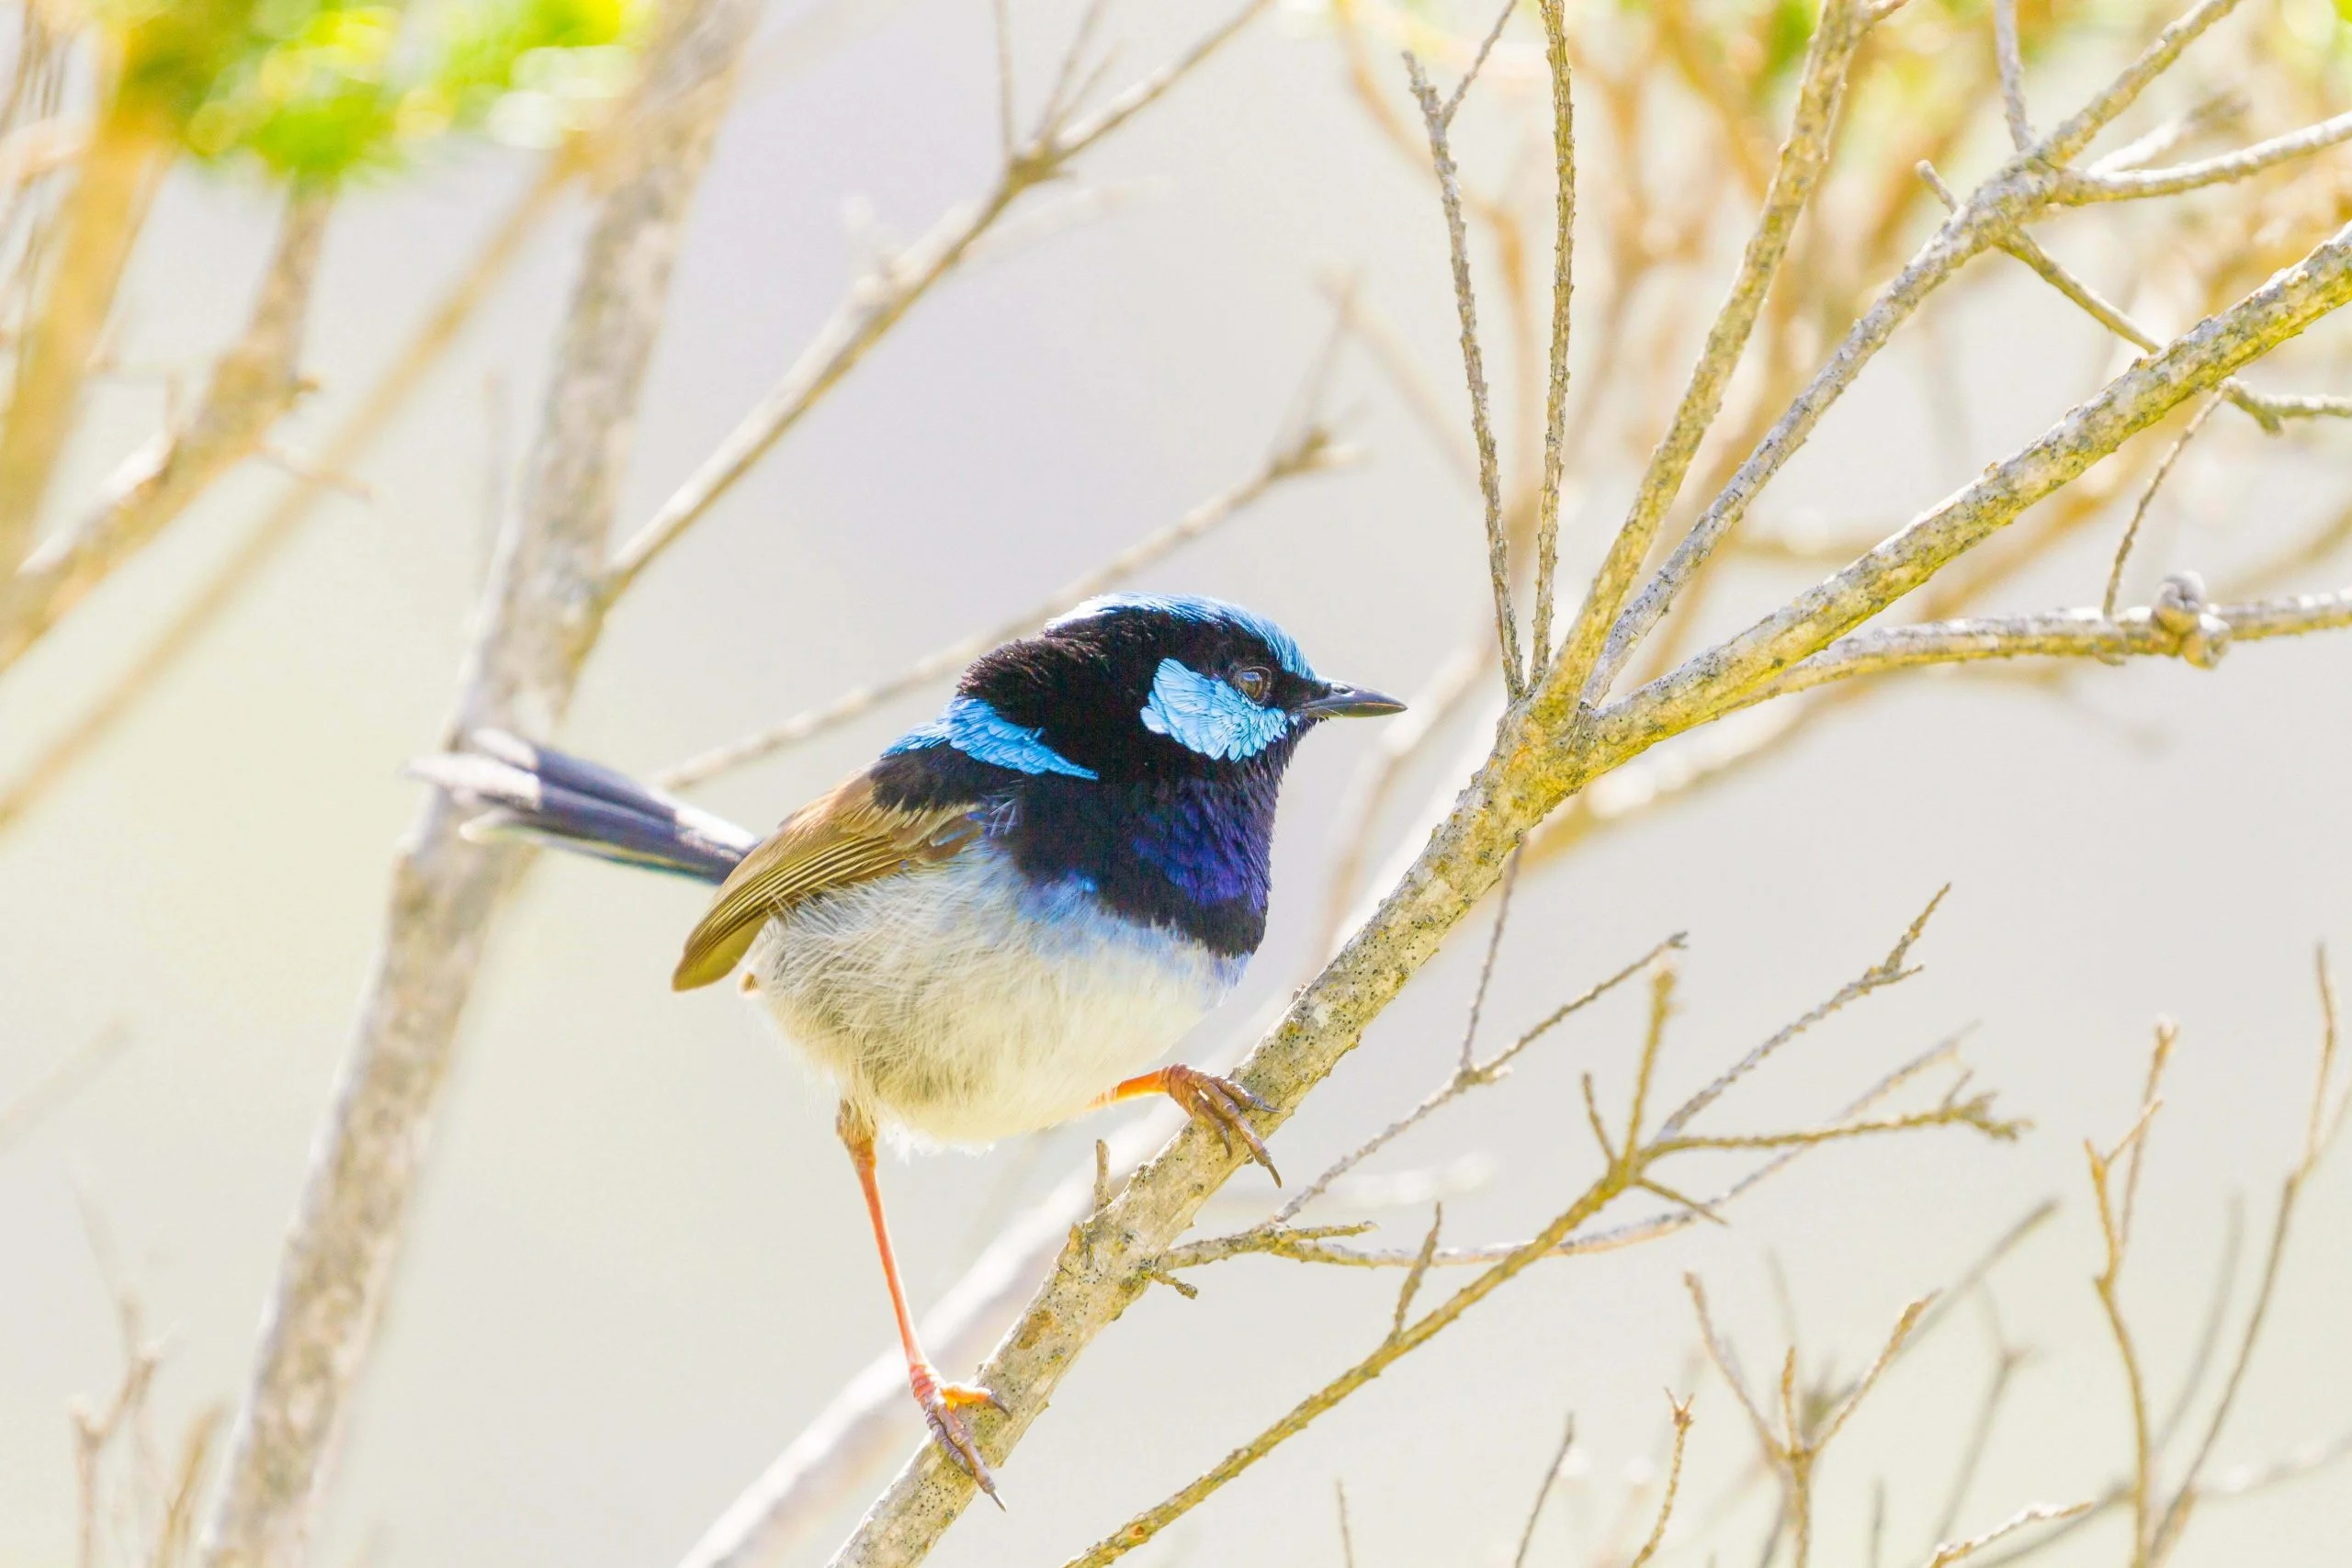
[(1003, 919)]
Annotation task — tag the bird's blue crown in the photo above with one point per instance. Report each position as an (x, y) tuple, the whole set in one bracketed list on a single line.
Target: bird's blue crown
[(1136, 746)]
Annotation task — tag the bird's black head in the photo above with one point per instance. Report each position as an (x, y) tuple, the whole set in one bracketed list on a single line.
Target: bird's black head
[(1137, 687)]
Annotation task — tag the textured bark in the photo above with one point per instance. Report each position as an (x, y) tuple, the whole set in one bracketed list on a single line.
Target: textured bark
[(540, 622)]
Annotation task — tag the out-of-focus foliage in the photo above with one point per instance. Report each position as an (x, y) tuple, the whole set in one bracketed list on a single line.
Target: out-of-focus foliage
[(317, 89)]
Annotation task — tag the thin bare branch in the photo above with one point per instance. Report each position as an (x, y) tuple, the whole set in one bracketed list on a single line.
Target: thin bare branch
[(1888, 971), (1474, 369), (1543, 1492), (2038, 1513), (253, 384), (2063, 145), (1804, 156), (2096, 185), (1478, 61), (343, 451), (117, 174), (1418, 1273), (1008, 138), (1556, 400), (1682, 1408), (1311, 453), (1465, 1078), (79, 1068), (1487, 969), (2165, 1530), (879, 302), (2268, 411), (2012, 63), (2147, 497)]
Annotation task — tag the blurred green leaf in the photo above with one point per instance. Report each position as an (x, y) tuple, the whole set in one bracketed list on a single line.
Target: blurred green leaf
[(320, 89)]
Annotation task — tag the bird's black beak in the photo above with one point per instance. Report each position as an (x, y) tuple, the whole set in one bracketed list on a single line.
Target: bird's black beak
[(1336, 701)]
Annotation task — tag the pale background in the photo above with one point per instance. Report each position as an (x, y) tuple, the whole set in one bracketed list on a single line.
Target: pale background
[(639, 1264)]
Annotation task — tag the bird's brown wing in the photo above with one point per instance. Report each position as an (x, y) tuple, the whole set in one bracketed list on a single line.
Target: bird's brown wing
[(835, 840)]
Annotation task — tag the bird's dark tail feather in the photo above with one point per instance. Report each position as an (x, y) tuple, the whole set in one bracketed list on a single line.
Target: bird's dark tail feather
[(530, 792)]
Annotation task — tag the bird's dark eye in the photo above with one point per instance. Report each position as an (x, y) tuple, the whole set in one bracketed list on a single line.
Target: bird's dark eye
[(1253, 682)]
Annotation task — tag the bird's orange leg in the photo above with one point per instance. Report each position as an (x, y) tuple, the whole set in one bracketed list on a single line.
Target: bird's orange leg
[(1220, 1104), (942, 1403)]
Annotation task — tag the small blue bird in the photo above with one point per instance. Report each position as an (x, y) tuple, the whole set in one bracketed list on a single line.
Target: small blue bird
[(997, 925)]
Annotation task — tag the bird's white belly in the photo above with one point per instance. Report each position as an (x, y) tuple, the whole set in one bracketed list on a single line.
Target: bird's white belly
[(961, 1004)]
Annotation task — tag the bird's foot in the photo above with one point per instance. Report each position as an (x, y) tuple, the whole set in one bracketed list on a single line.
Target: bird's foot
[(1221, 1105), (944, 1404)]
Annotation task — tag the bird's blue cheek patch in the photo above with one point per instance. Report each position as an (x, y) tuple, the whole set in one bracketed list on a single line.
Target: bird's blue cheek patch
[(977, 731), (1207, 715)]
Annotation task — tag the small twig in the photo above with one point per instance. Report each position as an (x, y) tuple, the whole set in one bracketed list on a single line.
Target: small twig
[(2167, 1036), (1347, 1536), (1802, 158), (279, 525), (1463, 1080), (2166, 1528), (2147, 496), (1682, 1408), (1474, 370), (2201, 636), (252, 387), (1727, 1365), (2005, 45), (1418, 1273), (1888, 971), (1394, 357), (2077, 188), (2039, 1513), (2007, 1359), (1543, 1492), (1001, 14), (1487, 967), (75, 1071), (1555, 402), (2209, 1337), (1478, 60), (879, 302)]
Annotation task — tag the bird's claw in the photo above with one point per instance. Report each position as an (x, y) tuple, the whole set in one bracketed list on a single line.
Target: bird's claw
[(944, 1404), (1223, 1106)]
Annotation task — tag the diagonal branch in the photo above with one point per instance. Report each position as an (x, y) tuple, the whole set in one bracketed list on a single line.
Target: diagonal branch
[(118, 171), (283, 522), (2022, 188), (1313, 452), (1804, 156), (878, 302), (254, 385), (2197, 360), (1474, 369)]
